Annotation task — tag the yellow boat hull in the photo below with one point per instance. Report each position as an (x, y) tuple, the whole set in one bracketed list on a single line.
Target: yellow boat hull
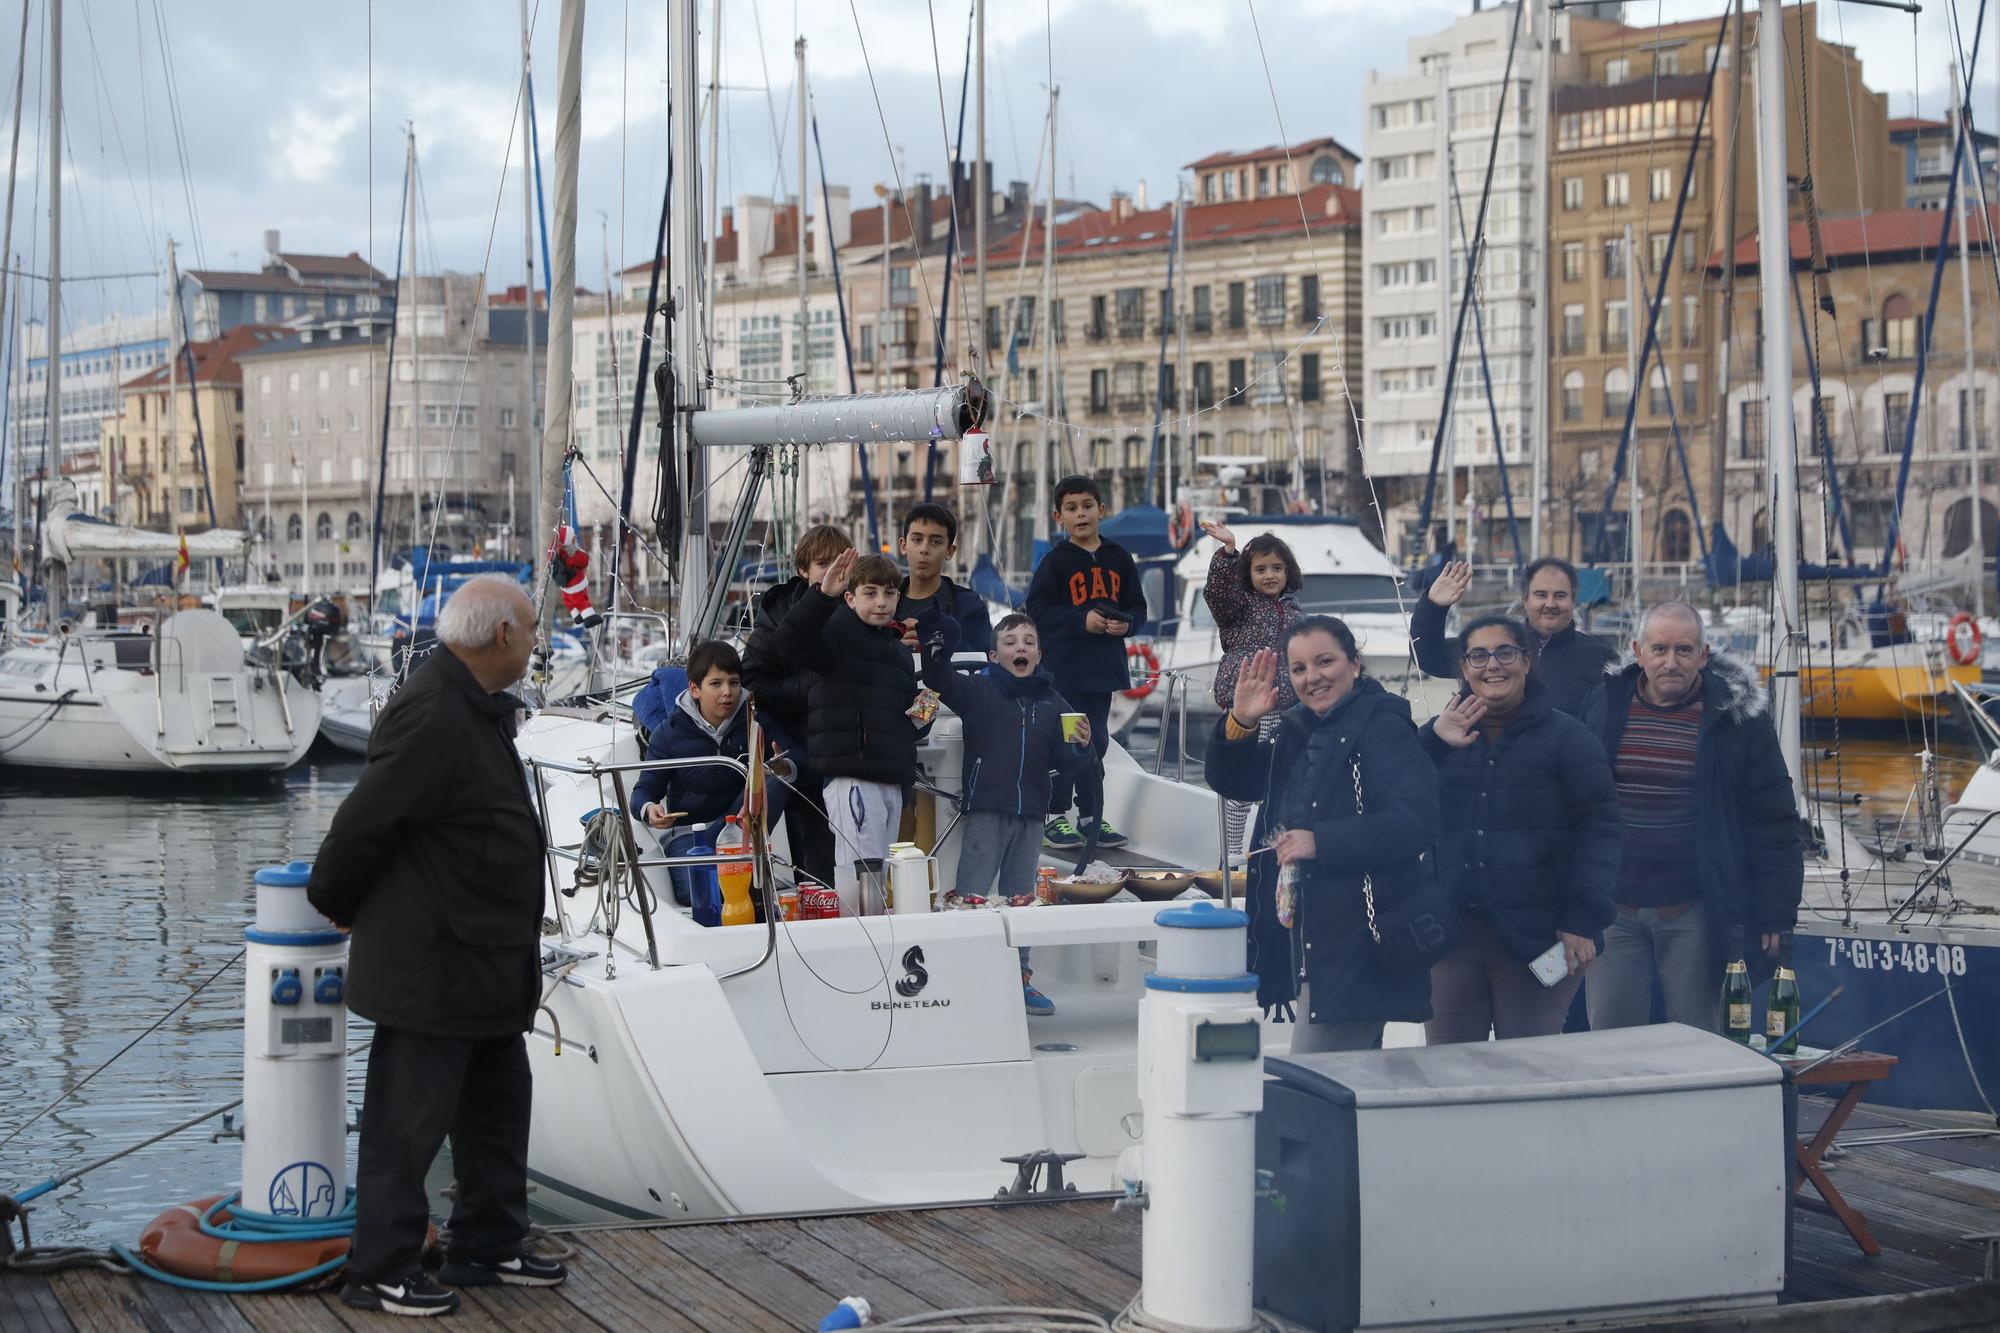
[(1903, 682)]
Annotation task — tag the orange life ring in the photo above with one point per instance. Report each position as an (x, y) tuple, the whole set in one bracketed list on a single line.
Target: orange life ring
[(1151, 660), (1180, 525), (1964, 648), (175, 1243)]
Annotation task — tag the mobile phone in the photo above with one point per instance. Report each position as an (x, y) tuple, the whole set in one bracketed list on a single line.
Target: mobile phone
[(1552, 966)]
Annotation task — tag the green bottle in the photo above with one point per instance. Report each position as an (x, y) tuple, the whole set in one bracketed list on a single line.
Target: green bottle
[(1781, 1012), (1736, 992)]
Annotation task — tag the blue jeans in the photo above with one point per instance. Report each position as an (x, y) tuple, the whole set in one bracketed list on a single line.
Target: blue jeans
[(1640, 945)]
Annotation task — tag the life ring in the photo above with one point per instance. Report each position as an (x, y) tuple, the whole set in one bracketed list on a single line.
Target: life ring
[(1151, 662), (1963, 639), (1180, 525), (174, 1242)]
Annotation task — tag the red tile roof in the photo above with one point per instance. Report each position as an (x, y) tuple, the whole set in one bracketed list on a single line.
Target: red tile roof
[(1228, 158), (1884, 233), (865, 228), (1325, 206), (1900, 123), (215, 359)]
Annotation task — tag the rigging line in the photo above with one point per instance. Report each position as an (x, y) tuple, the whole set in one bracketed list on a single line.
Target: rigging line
[(846, 332), (902, 195), (1360, 459), (101, 86), (974, 348), (1485, 366), (179, 124), (1651, 343)]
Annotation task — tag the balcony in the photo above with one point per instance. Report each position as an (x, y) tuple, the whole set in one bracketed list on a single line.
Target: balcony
[(1202, 322), (1310, 316), (1270, 317), (1614, 342), (1132, 402), (1573, 346), (1100, 407), (1131, 328), (1096, 333)]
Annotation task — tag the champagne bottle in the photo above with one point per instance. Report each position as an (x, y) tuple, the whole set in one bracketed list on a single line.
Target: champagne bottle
[(1781, 1012), (1736, 992)]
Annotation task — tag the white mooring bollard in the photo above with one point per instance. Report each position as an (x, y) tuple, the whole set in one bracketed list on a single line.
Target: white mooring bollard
[(294, 1053), (1201, 1081)]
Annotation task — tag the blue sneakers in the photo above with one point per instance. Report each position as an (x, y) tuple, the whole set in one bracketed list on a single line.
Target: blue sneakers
[(1039, 1005)]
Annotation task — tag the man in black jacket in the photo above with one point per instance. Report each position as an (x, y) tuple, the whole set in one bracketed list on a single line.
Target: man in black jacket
[(434, 861), (1712, 837), (1569, 662)]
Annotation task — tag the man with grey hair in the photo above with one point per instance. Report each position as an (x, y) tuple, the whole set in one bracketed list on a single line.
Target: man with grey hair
[(434, 862), (1712, 837)]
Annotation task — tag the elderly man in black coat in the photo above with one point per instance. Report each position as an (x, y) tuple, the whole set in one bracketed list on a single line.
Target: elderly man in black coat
[(434, 861)]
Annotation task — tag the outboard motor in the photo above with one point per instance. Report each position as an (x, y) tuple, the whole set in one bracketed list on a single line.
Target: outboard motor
[(306, 644)]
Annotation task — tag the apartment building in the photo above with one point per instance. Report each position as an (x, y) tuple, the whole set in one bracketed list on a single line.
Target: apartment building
[(460, 454), (96, 359), (1927, 151), (1881, 265), (1264, 313), (289, 287), (1428, 132), (1626, 107), (175, 448)]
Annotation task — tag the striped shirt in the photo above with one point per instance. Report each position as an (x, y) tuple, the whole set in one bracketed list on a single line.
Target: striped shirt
[(1655, 774)]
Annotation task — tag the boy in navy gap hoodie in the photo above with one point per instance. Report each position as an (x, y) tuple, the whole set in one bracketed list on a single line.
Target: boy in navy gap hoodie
[(1014, 748), (1085, 597)]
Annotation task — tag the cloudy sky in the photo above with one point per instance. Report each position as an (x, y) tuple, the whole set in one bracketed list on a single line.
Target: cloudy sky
[(212, 120)]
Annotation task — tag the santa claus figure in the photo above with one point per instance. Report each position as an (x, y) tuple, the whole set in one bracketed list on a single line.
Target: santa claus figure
[(569, 568)]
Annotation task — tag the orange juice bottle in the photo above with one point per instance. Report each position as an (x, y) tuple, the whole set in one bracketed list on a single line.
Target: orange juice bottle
[(734, 876)]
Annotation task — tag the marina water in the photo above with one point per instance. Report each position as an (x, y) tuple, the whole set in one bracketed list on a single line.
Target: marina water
[(119, 901)]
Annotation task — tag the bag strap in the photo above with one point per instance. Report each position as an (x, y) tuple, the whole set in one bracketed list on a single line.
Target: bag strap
[(1367, 880)]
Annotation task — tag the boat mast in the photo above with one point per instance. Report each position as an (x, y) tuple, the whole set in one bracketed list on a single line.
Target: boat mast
[(562, 290), (1719, 442), (1969, 395), (1538, 367), (805, 300), (1774, 262), (52, 361), (1041, 495), (1632, 308), (528, 258), (6, 253), (416, 361), (714, 160), (173, 418), (1182, 418), (684, 248)]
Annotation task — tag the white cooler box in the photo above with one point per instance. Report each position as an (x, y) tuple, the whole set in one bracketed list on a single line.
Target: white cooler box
[(1597, 1174)]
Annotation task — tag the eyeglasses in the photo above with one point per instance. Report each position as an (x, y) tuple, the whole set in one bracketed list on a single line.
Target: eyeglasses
[(1506, 655)]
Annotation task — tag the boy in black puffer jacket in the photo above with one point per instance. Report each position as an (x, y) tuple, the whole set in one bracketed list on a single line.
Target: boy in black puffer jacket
[(1014, 750), (859, 734)]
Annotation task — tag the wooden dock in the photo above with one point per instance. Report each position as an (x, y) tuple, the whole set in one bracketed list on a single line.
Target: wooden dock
[(1920, 1196)]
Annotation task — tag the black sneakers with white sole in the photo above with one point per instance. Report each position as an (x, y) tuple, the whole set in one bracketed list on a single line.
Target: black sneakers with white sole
[(521, 1270), (413, 1295)]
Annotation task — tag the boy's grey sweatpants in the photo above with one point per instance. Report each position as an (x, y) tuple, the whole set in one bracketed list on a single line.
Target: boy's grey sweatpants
[(1008, 847), (865, 817)]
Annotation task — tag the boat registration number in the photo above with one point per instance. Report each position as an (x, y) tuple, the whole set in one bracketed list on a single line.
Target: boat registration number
[(1894, 956)]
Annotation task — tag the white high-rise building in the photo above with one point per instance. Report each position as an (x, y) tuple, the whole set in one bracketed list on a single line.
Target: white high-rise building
[(1426, 127)]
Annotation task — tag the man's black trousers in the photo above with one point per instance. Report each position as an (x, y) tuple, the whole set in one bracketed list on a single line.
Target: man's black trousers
[(421, 1089)]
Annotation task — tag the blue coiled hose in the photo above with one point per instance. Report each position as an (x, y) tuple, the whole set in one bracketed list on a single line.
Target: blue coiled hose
[(252, 1228)]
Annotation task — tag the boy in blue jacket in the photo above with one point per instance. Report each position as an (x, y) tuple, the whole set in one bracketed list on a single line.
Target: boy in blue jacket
[(1014, 751), (1085, 598), (707, 719)]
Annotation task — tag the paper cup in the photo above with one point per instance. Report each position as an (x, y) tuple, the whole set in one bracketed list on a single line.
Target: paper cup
[(1072, 725)]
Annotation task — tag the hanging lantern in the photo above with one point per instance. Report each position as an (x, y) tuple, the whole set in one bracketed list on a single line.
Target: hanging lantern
[(975, 459)]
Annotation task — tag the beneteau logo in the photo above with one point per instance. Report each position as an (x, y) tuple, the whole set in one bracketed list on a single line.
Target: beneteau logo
[(915, 977)]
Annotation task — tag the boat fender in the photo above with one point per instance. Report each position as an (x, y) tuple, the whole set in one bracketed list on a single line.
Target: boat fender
[(1963, 639), (1143, 654), (286, 988)]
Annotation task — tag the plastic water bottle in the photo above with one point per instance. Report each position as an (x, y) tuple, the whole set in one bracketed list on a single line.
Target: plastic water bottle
[(735, 875)]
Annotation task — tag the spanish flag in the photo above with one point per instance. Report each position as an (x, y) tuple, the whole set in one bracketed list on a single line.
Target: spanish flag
[(182, 569)]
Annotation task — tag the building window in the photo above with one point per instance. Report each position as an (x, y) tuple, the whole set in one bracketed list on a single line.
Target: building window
[(507, 413), (1204, 385), (993, 328), (1099, 327), (1572, 329), (1750, 431), (1690, 389), (1617, 392), (1971, 420), (1656, 245), (1269, 390), (1676, 538), (1658, 397), (1128, 385), (1895, 420), (1131, 311), (1100, 391), (1236, 305), (1271, 299), (1238, 380), (1308, 298), (1572, 269), (1667, 62), (1899, 328), (1617, 70), (357, 527), (1572, 194), (1572, 390), (1204, 315), (1690, 320), (295, 528), (1617, 189), (1660, 184), (1309, 377), (1617, 327), (293, 427), (1614, 256)]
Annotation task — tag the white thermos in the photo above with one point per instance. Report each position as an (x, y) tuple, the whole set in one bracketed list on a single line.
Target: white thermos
[(912, 879)]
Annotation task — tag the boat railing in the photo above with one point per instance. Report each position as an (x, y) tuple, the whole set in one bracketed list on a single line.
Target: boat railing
[(1943, 863), (763, 880)]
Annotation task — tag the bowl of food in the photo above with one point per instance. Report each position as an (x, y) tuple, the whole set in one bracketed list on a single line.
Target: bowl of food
[(1098, 883), (1211, 880), (1158, 885)]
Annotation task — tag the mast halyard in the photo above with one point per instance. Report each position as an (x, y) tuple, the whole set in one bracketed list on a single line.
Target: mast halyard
[(562, 294), (1774, 263)]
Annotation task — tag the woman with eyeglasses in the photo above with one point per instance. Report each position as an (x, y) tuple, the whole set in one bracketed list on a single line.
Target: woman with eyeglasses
[(1528, 843)]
